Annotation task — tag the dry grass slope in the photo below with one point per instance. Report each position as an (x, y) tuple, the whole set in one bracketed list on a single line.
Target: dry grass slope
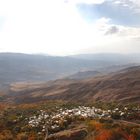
[(123, 86)]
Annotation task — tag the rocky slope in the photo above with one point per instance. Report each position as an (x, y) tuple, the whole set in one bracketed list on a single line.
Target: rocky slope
[(84, 74), (123, 86)]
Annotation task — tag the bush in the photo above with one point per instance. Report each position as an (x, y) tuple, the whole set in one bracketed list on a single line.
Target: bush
[(22, 136), (94, 125), (6, 135)]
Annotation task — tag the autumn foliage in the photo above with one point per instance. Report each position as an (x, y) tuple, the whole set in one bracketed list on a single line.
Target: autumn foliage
[(102, 131)]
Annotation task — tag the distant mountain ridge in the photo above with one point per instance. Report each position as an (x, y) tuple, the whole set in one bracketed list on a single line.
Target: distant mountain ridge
[(115, 57), (18, 67)]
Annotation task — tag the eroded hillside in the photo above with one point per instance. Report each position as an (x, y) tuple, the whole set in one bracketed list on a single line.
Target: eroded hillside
[(122, 86)]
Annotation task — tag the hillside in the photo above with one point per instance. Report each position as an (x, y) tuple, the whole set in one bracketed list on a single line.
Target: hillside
[(17, 67), (84, 74), (112, 57), (122, 86)]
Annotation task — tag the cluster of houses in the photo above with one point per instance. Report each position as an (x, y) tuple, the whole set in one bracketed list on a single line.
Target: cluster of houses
[(62, 117)]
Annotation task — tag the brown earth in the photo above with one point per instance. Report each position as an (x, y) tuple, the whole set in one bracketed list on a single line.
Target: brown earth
[(77, 133), (122, 86)]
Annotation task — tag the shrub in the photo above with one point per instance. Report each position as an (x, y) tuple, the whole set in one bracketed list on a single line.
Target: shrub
[(94, 125), (6, 135), (22, 136)]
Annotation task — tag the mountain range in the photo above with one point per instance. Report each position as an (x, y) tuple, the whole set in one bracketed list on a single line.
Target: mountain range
[(122, 86), (16, 67), (28, 78)]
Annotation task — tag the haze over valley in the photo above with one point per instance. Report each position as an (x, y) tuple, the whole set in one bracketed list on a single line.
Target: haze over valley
[(17, 67)]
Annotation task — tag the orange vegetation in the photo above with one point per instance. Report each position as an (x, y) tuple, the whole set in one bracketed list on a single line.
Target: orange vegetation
[(105, 135)]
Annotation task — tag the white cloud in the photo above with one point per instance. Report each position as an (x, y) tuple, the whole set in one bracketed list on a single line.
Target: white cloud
[(41, 26), (123, 40), (136, 2), (55, 27), (131, 4), (105, 27), (86, 1)]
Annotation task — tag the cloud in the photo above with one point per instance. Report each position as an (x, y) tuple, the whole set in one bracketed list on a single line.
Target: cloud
[(2, 21), (86, 1), (57, 28), (123, 3), (112, 30), (123, 12), (34, 26), (135, 2), (106, 28), (133, 5), (114, 38)]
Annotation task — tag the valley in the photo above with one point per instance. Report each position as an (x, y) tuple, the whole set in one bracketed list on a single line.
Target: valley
[(122, 87), (80, 100)]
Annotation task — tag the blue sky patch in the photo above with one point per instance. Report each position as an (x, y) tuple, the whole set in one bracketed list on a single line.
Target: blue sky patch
[(119, 14)]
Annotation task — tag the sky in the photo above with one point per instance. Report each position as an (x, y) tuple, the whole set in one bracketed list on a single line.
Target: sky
[(65, 27)]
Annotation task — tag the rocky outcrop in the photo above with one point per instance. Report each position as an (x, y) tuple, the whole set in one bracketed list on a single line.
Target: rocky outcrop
[(78, 133)]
